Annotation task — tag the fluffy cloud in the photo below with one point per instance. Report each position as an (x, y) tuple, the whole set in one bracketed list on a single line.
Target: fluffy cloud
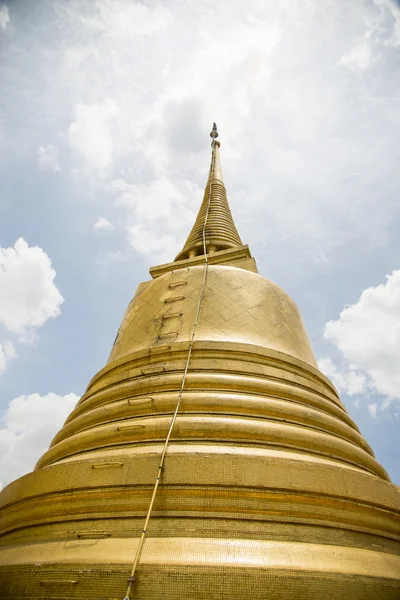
[(162, 247), (90, 133), (367, 334), (29, 296), (348, 381), (279, 118), (360, 56), (7, 353), (393, 8), (28, 426), (305, 103), (48, 157), (156, 213), (109, 258), (216, 68), (120, 20), (372, 408), (103, 224), (4, 17)]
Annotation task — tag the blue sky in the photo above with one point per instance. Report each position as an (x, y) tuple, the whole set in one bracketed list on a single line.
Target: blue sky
[(105, 110)]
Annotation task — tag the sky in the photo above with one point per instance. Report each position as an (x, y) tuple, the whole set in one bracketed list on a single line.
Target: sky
[(105, 113)]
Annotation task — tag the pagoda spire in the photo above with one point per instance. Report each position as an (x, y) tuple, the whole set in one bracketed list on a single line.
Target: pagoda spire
[(220, 230)]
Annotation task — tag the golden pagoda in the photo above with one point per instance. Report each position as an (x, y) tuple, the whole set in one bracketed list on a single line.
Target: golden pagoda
[(209, 459)]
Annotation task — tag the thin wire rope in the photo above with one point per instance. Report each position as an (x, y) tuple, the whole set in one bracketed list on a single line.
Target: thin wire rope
[(139, 549)]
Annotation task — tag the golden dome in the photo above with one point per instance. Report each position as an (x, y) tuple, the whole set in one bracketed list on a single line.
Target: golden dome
[(240, 306)]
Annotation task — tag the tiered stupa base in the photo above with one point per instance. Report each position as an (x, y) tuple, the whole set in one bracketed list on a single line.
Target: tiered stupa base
[(262, 496)]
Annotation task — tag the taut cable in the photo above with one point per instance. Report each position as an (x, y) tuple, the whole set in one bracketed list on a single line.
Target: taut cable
[(131, 580)]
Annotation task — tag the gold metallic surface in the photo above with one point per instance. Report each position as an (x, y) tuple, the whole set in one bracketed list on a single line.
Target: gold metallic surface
[(220, 232), (239, 306), (269, 490)]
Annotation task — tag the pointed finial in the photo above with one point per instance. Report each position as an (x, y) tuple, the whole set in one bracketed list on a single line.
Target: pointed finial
[(214, 133)]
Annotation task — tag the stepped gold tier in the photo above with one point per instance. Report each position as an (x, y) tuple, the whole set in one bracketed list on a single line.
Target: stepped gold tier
[(269, 491)]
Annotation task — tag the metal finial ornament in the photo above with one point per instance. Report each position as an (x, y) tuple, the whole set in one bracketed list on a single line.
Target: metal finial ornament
[(214, 131)]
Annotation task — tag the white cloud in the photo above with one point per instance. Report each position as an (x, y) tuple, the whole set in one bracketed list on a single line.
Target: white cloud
[(28, 426), (90, 134), (349, 381), (119, 20), (109, 258), (103, 224), (391, 7), (274, 126), (48, 157), (216, 67), (4, 17), (145, 241), (7, 353), (28, 295), (360, 56), (156, 213), (372, 408), (301, 126), (367, 334)]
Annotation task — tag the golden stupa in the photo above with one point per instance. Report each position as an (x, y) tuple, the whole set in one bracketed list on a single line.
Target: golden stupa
[(209, 459)]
